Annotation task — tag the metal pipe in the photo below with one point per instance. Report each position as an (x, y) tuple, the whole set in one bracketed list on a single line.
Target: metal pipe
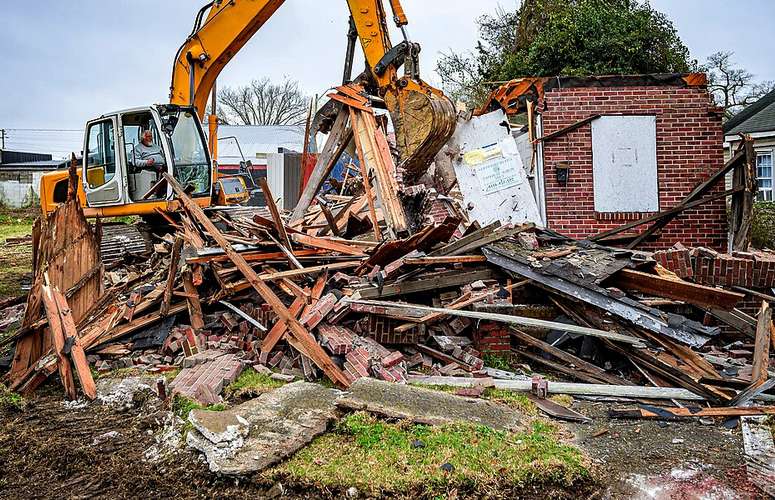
[(352, 37)]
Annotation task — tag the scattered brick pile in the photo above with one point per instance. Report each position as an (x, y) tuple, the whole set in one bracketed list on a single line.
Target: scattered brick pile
[(754, 269)]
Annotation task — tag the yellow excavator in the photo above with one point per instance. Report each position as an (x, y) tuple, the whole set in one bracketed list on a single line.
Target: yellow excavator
[(125, 152)]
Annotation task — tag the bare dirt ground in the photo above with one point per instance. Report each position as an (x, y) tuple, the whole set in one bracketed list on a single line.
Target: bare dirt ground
[(663, 460), (48, 450)]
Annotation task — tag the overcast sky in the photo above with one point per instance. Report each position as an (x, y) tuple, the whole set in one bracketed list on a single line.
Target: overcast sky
[(64, 62)]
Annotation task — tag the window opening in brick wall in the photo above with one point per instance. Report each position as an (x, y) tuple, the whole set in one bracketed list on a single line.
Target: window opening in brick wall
[(624, 160), (764, 174)]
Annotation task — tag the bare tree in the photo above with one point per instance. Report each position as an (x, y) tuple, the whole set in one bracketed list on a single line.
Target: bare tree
[(732, 87), (264, 103)]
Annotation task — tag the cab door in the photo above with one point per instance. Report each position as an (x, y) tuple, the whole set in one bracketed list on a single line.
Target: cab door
[(103, 180)]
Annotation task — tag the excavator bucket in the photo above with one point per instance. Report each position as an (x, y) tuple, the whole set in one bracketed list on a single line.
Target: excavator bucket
[(423, 121)]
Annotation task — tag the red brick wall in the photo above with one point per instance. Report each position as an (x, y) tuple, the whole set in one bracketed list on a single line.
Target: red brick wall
[(689, 149)]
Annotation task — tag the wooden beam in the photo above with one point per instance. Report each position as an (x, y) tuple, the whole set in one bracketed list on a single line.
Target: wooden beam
[(460, 303), (307, 270), (699, 295), (296, 329), (77, 353), (761, 354), (172, 273), (279, 328), (279, 225), (338, 138), (433, 282), (58, 335), (620, 391), (570, 360), (659, 216), (678, 413), (568, 129), (327, 244), (431, 261), (508, 319), (192, 301)]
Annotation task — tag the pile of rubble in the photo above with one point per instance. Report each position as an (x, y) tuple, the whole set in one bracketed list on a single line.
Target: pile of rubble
[(357, 286)]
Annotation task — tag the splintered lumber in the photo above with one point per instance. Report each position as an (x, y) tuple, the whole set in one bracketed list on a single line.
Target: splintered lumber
[(59, 337), (699, 295), (308, 270), (613, 391), (171, 275), (296, 329), (372, 148), (279, 225), (338, 138), (436, 281), (194, 305), (432, 261), (761, 354), (454, 247), (662, 413), (505, 318), (279, 328), (460, 303), (655, 321), (327, 244), (573, 362), (77, 354)]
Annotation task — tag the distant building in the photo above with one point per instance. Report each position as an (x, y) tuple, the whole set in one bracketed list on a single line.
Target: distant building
[(758, 121), (20, 174)]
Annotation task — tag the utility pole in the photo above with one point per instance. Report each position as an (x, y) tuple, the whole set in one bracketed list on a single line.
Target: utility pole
[(2, 138)]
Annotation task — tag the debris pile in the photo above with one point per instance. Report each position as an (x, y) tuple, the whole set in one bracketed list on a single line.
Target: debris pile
[(364, 285)]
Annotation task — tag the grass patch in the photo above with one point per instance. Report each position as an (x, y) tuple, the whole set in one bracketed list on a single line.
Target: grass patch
[(182, 406), (378, 457), (251, 383), (15, 260), (513, 399), (11, 401)]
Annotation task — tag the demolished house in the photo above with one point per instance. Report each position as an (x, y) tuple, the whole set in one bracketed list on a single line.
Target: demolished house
[(410, 284)]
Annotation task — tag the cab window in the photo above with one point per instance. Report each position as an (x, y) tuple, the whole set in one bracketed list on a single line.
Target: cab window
[(101, 154)]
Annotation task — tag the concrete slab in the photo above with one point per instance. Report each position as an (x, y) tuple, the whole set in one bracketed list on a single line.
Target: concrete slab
[(426, 406), (263, 431)]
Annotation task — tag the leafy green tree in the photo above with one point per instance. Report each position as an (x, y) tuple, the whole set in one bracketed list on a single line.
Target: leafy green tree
[(569, 38)]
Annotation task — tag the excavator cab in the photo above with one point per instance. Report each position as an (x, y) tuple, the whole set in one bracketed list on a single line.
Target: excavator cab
[(122, 175)]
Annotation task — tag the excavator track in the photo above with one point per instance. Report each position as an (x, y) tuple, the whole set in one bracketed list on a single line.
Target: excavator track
[(121, 240)]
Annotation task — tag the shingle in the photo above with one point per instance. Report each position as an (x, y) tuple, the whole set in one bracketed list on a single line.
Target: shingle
[(758, 117)]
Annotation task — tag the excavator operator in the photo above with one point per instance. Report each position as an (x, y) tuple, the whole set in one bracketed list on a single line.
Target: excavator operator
[(147, 154)]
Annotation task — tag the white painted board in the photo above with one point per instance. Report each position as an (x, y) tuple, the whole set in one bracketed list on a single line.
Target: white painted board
[(624, 158), (490, 172)]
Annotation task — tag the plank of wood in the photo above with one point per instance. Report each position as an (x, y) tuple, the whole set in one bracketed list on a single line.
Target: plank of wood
[(279, 225), (77, 353), (680, 413), (192, 301), (296, 329), (699, 295), (369, 141), (508, 319), (573, 389), (433, 282), (279, 328), (761, 355), (568, 129), (570, 360), (327, 244), (431, 261), (446, 358), (463, 301), (338, 138), (465, 240), (57, 333), (172, 273), (308, 271)]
